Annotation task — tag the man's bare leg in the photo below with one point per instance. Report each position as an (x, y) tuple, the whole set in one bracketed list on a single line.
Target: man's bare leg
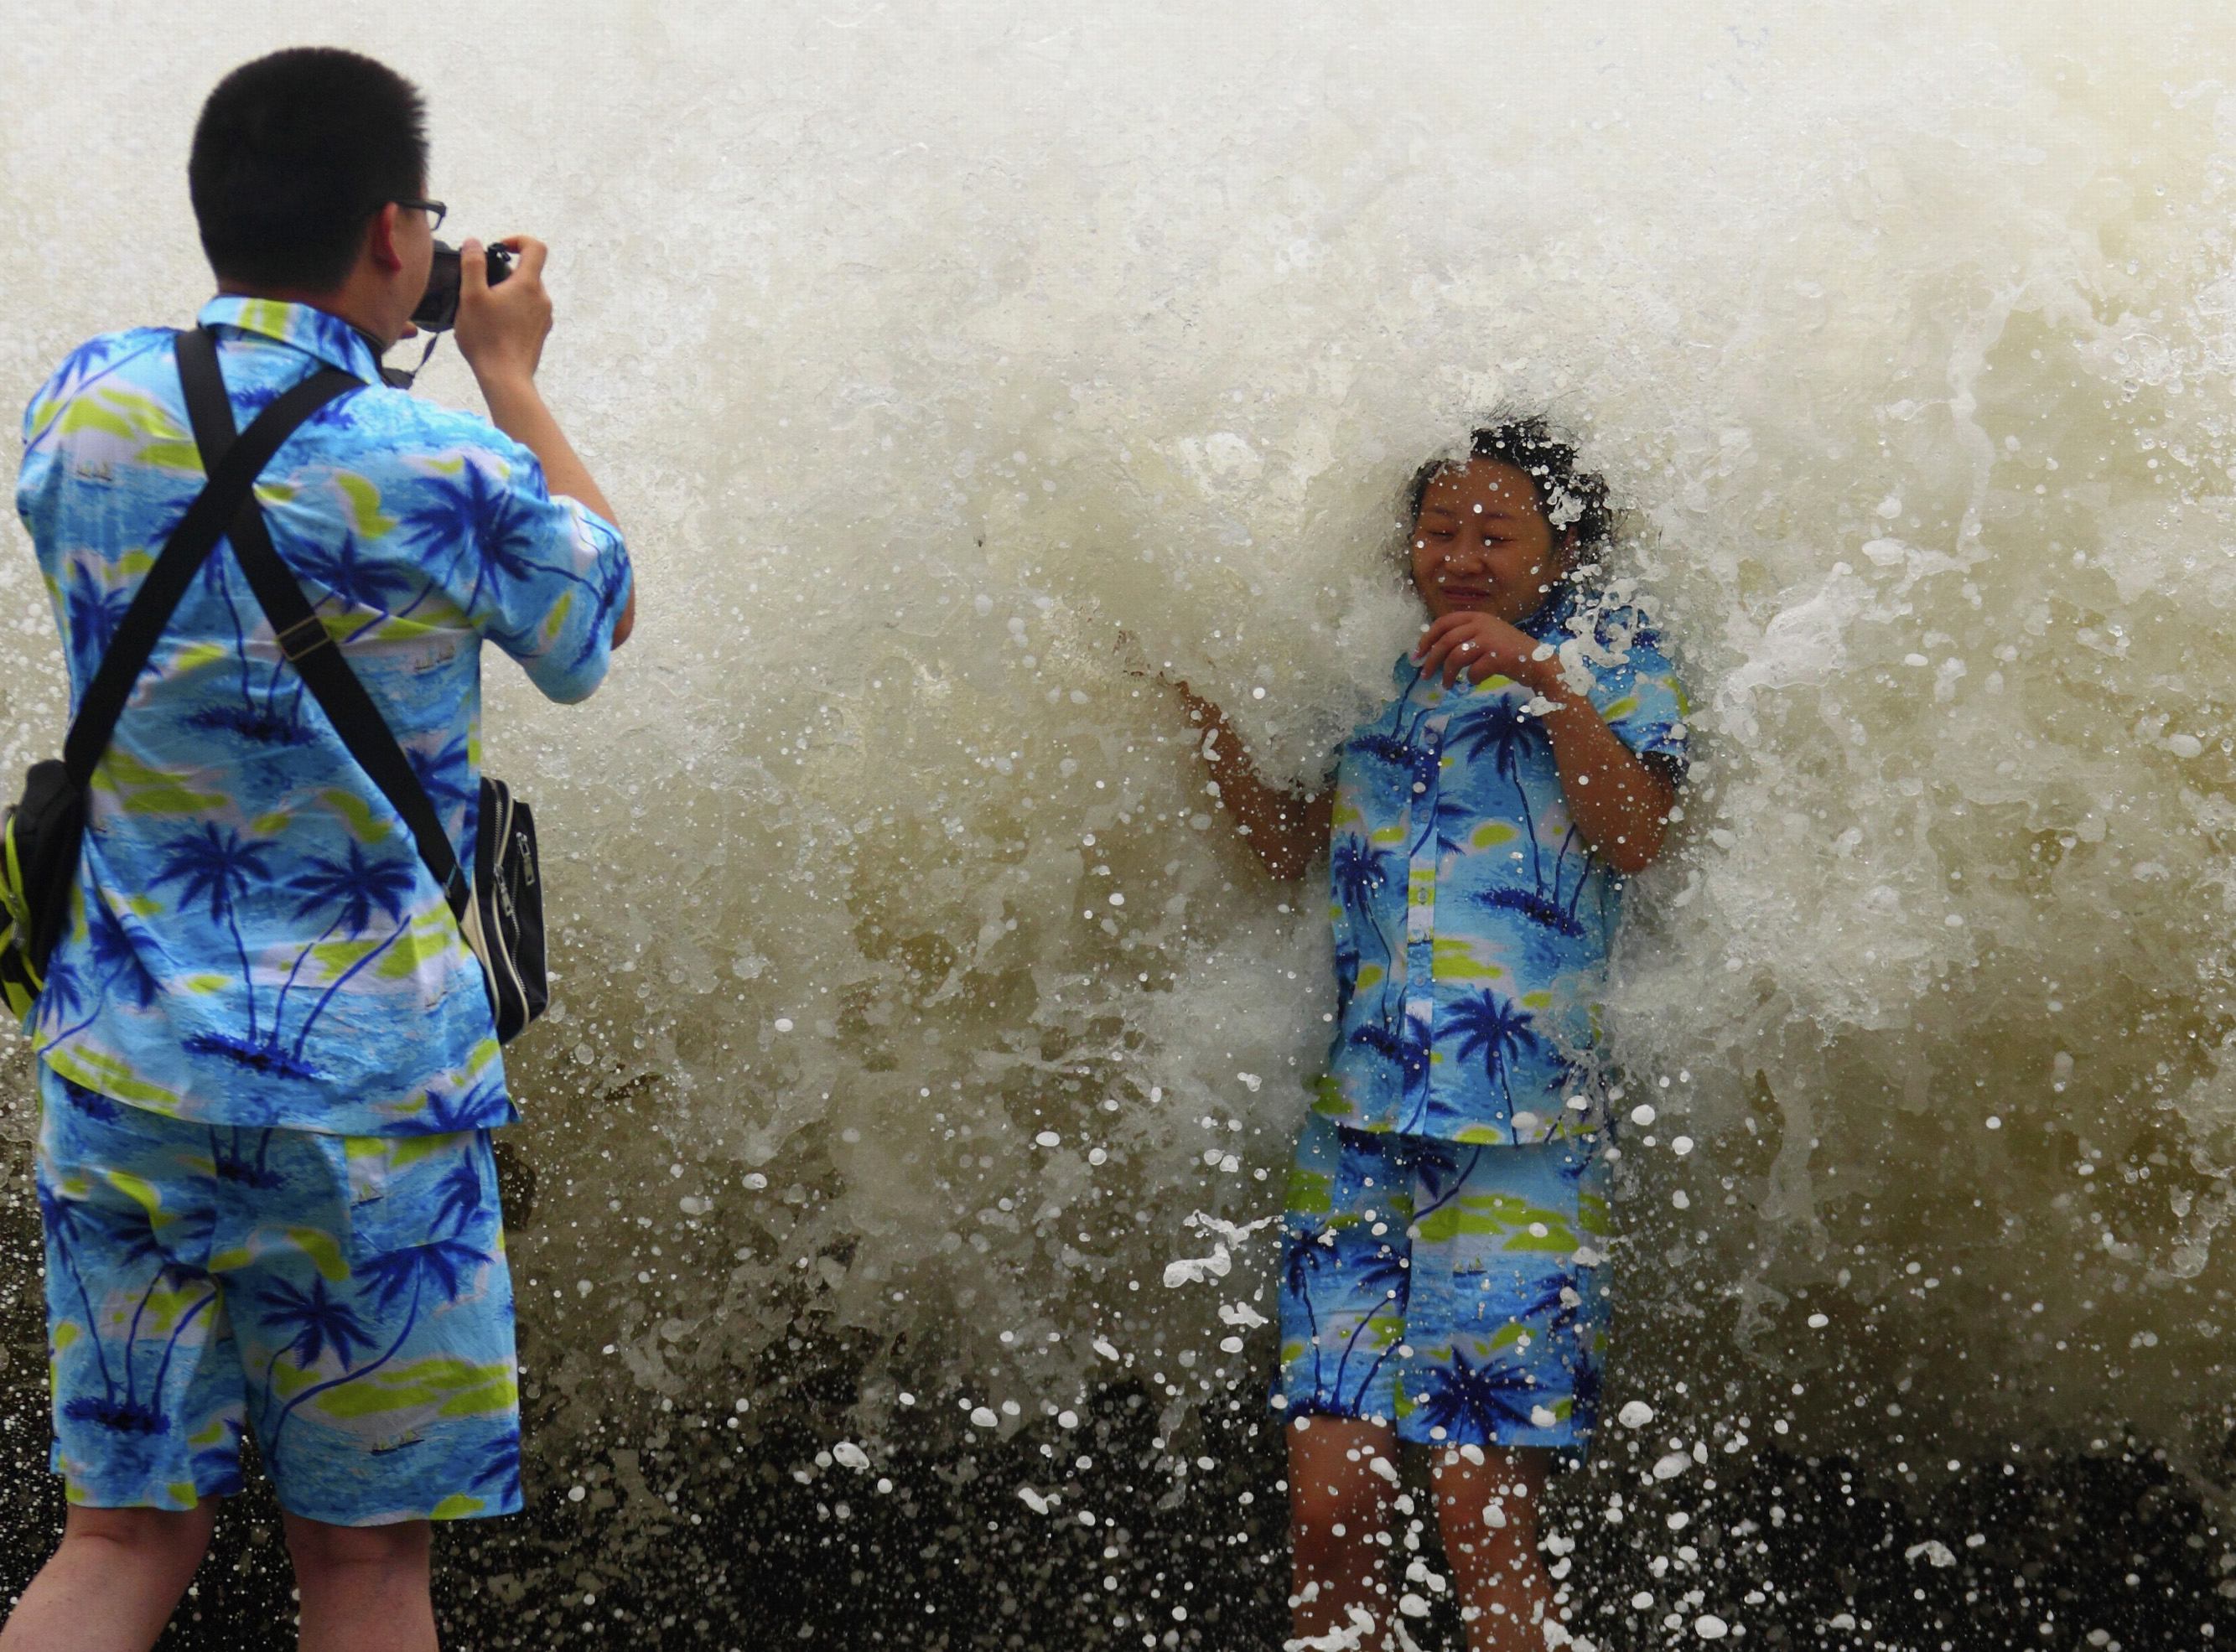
[(364, 1588), (114, 1582)]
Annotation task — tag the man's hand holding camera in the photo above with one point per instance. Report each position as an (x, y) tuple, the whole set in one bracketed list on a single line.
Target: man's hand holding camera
[(501, 329)]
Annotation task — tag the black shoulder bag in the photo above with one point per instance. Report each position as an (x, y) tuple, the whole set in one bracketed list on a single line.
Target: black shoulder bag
[(499, 907), (44, 830)]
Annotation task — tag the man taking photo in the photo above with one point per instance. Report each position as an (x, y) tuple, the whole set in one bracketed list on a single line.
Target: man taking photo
[(267, 1063)]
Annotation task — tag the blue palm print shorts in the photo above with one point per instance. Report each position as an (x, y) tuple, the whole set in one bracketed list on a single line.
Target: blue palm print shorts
[(1456, 1289), (344, 1299)]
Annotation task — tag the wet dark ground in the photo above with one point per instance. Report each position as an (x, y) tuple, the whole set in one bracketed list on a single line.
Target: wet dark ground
[(687, 1544), (721, 1532)]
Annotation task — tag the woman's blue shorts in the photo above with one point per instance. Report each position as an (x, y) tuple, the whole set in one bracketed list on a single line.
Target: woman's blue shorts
[(1458, 1290)]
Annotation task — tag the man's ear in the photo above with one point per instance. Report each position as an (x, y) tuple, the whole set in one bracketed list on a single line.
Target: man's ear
[(380, 239)]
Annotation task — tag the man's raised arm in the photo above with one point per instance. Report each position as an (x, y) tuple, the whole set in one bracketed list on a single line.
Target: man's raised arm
[(501, 333)]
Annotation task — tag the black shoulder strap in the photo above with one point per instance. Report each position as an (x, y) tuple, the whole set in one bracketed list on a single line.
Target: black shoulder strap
[(303, 638), (182, 556)]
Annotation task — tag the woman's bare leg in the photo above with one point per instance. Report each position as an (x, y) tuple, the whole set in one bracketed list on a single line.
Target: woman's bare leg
[(1488, 1514), (1342, 1474)]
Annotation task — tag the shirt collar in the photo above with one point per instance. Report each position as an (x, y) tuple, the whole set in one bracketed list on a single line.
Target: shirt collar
[(315, 332), (1552, 619)]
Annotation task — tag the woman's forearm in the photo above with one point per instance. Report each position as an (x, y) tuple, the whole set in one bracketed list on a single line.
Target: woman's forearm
[(1620, 805), (1284, 829)]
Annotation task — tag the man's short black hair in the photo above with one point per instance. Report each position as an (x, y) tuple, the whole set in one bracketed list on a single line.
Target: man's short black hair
[(1571, 497), (293, 155)]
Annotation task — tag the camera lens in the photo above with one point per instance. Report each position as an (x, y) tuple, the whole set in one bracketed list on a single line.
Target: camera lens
[(438, 305)]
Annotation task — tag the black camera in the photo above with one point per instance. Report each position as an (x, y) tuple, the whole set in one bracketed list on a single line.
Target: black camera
[(438, 306)]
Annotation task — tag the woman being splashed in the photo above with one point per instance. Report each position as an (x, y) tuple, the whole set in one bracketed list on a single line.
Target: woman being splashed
[(1443, 1277)]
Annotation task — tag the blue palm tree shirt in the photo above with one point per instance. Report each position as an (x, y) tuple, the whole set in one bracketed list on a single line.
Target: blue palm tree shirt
[(253, 939), (1472, 921)]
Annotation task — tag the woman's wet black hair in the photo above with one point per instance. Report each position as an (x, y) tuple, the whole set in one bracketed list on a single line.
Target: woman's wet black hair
[(1571, 498)]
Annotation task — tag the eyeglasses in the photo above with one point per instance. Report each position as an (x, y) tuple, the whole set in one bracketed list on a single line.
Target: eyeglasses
[(434, 209)]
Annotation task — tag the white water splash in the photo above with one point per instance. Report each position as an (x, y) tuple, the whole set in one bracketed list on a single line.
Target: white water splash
[(924, 358)]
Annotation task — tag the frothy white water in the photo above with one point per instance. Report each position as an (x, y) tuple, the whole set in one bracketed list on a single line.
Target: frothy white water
[(913, 999)]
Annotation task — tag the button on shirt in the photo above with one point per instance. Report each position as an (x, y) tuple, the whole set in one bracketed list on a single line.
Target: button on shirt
[(1472, 921), (253, 938)]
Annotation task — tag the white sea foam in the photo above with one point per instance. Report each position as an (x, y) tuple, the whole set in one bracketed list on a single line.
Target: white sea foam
[(944, 361)]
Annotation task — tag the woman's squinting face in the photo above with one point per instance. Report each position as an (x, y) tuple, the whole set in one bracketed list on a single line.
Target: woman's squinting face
[(1481, 545)]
